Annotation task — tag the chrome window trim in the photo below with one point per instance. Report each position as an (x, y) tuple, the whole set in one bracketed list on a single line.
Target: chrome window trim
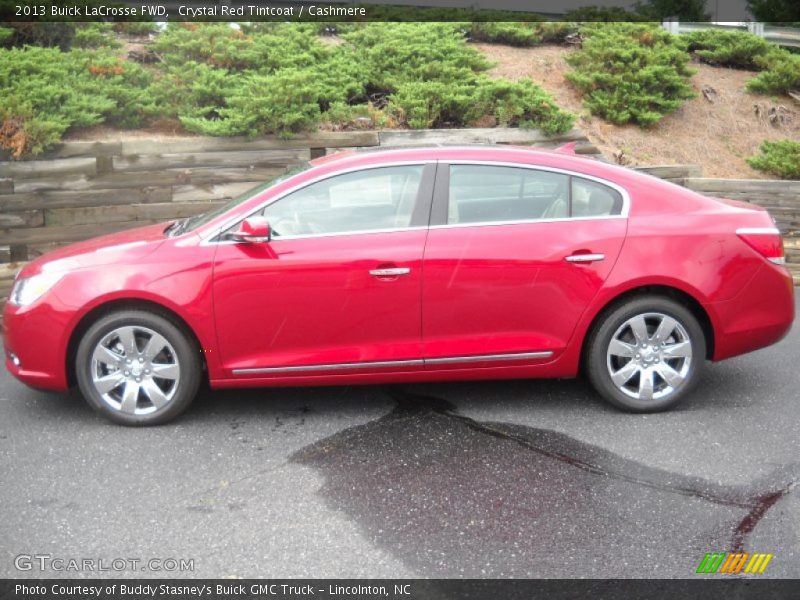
[(524, 222), (624, 213), (216, 231), (208, 238), (395, 363)]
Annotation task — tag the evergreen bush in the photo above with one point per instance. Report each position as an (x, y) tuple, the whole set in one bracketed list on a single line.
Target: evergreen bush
[(44, 92), (781, 158), (631, 72), (737, 49)]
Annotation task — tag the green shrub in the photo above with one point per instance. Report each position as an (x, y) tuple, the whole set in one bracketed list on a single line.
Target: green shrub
[(391, 53), (44, 92), (781, 158), (433, 79), (268, 77), (519, 33), (630, 72), (513, 34), (737, 49), (270, 47), (209, 71), (524, 104), (94, 35), (781, 73), (6, 33), (45, 34), (283, 103), (137, 28), (780, 68), (423, 104)]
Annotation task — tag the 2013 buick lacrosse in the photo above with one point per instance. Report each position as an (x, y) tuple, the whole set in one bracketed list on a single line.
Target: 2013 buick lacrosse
[(409, 265)]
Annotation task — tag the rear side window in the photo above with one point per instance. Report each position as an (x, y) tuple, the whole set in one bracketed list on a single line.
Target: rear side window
[(593, 199), (486, 194), (483, 193)]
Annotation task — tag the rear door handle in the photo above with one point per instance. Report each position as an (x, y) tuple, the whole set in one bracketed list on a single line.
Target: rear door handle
[(390, 272), (580, 258)]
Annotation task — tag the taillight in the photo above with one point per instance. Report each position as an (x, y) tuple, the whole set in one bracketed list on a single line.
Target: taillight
[(767, 241)]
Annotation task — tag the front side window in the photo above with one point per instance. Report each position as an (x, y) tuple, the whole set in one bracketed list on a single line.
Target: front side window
[(380, 198), (490, 194)]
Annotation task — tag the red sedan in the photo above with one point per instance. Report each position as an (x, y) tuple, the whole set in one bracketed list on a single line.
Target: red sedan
[(409, 265)]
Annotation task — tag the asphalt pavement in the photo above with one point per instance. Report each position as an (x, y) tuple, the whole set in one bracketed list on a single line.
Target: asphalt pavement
[(489, 479)]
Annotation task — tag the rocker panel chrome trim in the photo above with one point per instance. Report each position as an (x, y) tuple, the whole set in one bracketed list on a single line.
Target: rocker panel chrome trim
[(394, 363)]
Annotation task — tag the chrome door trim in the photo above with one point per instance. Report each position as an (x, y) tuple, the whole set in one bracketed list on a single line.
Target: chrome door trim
[(395, 363), (488, 357), (331, 367)]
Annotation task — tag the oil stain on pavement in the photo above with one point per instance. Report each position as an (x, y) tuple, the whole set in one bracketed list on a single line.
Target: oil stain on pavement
[(456, 497)]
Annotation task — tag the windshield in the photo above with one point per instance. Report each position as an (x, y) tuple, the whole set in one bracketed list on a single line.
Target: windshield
[(196, 221)]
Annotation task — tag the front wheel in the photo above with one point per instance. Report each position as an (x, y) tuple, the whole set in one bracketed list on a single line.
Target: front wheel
[(137, 368), (646, 354)]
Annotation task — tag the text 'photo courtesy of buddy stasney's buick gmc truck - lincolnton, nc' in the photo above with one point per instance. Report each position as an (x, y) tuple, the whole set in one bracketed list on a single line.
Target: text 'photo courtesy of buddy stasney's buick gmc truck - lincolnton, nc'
[(435, 264)]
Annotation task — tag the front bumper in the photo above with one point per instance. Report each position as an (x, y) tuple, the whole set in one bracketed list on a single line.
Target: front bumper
[(37, 335)]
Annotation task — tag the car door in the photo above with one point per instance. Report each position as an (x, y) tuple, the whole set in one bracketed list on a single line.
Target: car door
[(514, 255), (338, 285)]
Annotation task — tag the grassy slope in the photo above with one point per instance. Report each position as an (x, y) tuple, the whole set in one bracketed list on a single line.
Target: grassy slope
[(719, 136)]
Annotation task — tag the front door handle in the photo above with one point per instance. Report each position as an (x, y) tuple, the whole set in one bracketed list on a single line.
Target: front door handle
[(581, 258), (390, 272)]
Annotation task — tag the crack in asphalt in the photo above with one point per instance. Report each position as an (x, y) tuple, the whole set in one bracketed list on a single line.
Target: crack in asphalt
[(757, 506), (753, 518)]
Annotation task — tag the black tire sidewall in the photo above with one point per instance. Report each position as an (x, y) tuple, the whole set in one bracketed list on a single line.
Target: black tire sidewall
[(187, 355), (601, 337)]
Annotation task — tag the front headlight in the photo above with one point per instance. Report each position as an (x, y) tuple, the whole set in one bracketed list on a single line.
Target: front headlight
[(27, 290)]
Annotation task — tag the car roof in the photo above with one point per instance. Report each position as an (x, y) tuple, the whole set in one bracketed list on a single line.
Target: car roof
[(428, 152), (656, 195), (501, 153)]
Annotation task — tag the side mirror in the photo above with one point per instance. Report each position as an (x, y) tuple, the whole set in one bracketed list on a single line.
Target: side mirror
[(253, 230)]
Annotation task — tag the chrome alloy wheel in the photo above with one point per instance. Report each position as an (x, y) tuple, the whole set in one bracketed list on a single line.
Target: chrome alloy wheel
[(649, 356), (135, 370)]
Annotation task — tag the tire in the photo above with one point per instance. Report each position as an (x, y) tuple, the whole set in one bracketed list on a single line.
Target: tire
[(672, 366), (146, 384)]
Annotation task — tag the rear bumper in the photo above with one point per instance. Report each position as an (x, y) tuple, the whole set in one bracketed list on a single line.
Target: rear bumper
[(37, 336), (758, 316)]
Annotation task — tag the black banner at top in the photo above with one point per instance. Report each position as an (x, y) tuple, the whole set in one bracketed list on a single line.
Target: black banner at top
[(372, 10)]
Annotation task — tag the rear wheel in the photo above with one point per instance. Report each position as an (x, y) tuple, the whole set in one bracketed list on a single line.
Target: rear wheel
[(646, 354), (137, 368)]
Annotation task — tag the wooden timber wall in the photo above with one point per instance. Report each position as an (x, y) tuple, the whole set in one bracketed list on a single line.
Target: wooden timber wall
[(79, 190)]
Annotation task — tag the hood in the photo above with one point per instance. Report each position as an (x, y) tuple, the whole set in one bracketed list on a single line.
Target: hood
[(124, 246)]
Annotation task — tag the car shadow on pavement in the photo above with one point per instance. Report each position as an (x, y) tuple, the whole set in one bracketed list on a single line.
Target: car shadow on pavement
[(455, 497)]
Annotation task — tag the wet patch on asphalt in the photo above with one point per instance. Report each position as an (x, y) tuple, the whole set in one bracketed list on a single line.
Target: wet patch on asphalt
[(453, 496)]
